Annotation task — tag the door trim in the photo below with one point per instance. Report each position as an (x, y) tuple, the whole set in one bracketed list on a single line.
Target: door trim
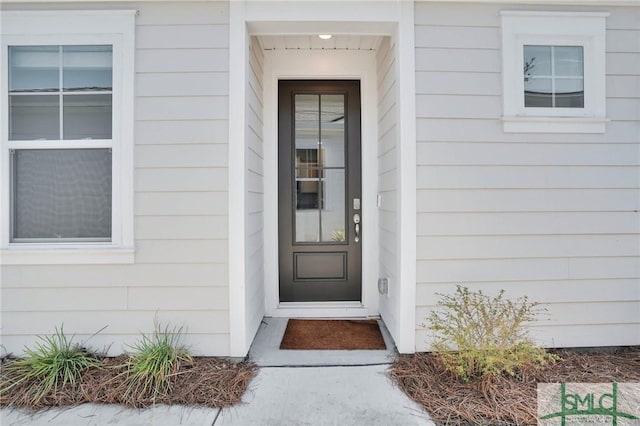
[(343, 282), (337, 65)]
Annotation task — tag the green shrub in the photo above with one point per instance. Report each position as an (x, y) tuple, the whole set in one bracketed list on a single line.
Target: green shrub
[(478, 336), (154, 362), (54, 363)]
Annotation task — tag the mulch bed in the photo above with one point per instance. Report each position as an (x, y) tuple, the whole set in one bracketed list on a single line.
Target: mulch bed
[(505, 400), (209, 382)]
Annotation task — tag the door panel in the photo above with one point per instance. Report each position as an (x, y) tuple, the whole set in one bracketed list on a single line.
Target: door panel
[(319, 174)]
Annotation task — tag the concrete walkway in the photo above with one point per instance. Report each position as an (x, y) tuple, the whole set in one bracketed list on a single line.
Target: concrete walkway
[(296, 396), (97, 415), (292, 388), (354, 395)]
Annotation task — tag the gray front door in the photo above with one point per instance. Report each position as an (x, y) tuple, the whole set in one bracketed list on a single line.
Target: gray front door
[(319, 199)]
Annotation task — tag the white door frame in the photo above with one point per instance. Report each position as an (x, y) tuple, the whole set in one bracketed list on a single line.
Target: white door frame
[(385, 18), (334, 65)]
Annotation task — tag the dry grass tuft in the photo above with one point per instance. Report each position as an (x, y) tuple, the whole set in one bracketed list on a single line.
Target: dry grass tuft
[(504, 400)]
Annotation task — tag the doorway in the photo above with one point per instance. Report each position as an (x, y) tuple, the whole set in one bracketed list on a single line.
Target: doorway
[(320, 219), (386, 71)]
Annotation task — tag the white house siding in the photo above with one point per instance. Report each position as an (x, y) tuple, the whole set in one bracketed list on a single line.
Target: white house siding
[(180, 273), (550, 216), (388, 180), (254, 247)]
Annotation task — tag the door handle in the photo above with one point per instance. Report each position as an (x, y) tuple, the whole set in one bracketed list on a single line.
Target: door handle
[(356, 221)]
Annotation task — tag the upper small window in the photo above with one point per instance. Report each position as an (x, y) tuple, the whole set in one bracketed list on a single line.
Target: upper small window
[(60, 92), (553, 71), (553, 77)]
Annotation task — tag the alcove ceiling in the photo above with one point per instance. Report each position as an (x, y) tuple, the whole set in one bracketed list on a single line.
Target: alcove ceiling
[(313, 42)]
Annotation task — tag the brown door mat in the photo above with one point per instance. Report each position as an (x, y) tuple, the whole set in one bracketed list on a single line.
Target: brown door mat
[(332, 335)]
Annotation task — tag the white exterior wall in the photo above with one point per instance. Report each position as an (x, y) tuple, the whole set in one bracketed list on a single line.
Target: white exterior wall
[(550, 216), (388, 220), (180, 273), (254, 157)]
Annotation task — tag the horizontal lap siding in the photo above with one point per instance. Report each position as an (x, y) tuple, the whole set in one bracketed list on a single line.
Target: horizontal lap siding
[(550, 216), (387, 180), (180, 273), (254, 174)]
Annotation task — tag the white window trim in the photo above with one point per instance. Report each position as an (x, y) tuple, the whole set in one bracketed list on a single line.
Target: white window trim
[(115, 27), (586, 29)]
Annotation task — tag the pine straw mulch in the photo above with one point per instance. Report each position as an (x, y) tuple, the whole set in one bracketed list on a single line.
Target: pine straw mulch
[(505, 400), (208, 382)]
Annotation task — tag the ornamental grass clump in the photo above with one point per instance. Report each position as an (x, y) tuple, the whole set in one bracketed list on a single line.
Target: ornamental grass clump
[(479, 336), (53, 366), (154, 364)]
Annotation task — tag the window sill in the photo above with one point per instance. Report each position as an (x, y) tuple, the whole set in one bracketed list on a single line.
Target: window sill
[(42, 255), (530, 124)]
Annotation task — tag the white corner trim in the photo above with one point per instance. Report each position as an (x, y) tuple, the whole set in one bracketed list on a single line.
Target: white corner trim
[(406, 334), (67, 256), (238, 48)]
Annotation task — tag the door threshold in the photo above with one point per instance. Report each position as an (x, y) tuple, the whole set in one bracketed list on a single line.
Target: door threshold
[(321, 310)]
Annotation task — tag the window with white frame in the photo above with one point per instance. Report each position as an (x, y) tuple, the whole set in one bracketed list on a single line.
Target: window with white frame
[(63, 94), (67, 137), (553, 76), (553, 71)]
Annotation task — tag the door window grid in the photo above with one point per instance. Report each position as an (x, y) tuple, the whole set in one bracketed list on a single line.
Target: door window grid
[(319, 192), (308, 163)]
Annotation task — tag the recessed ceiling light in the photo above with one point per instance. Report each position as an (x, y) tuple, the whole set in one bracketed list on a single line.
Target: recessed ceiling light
[(325, 36)]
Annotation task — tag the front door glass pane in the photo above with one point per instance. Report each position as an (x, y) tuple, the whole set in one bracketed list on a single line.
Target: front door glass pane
[(332, 214), (307, 160), (332, 129), (319, 164)]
